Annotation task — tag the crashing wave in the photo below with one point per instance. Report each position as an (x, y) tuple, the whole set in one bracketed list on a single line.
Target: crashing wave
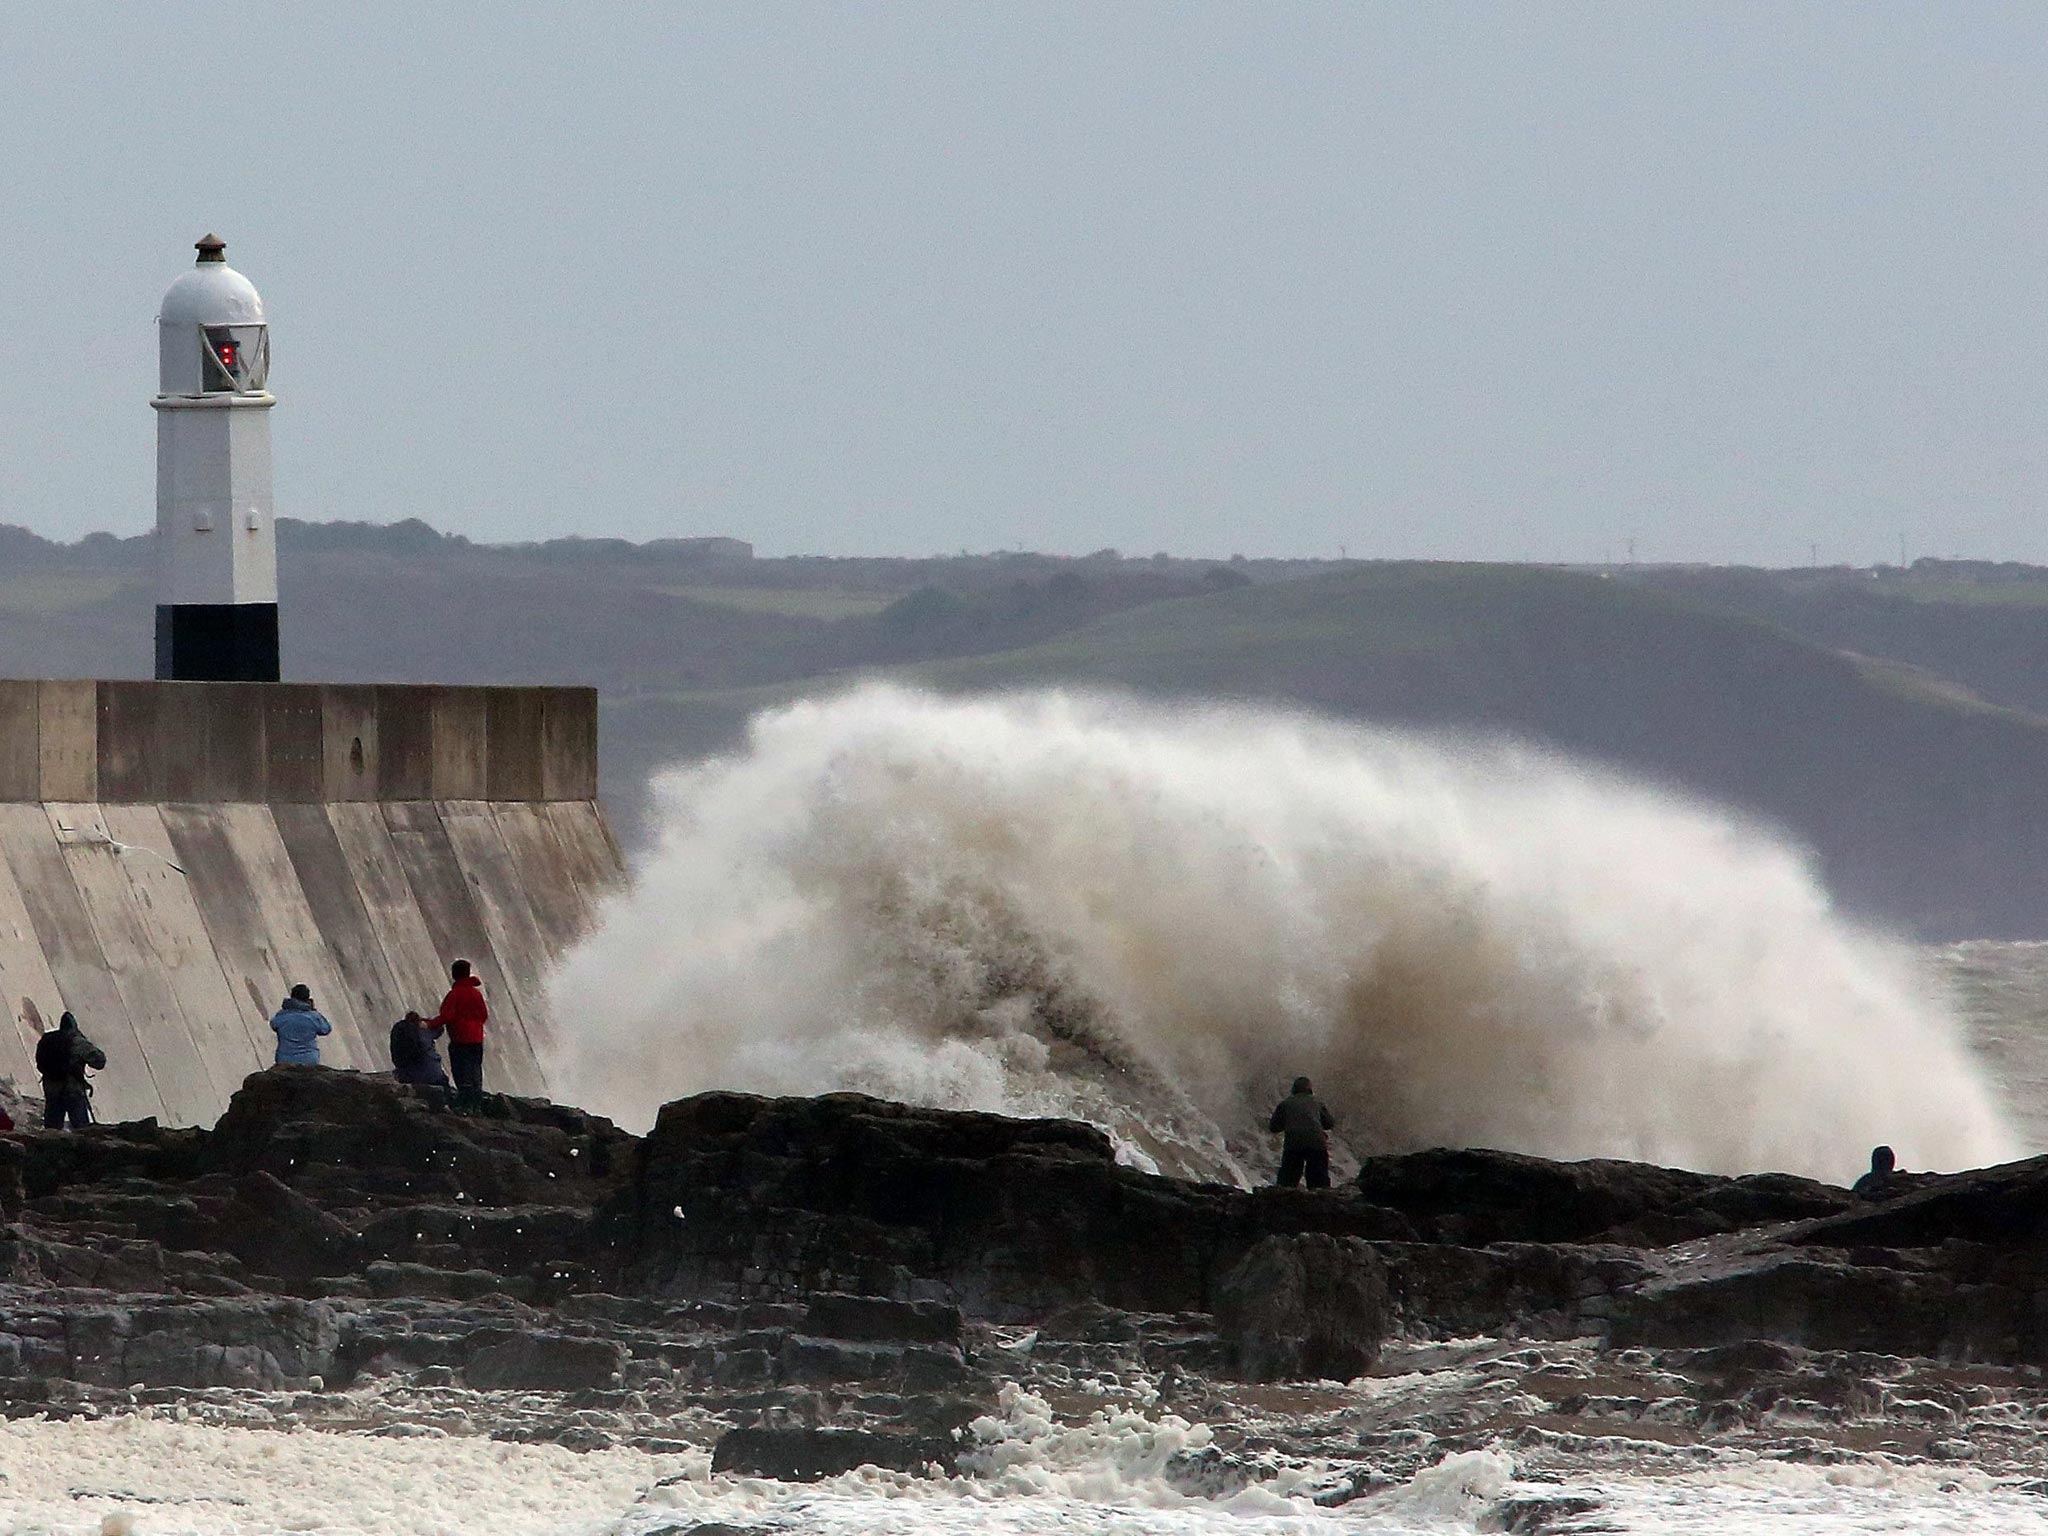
[(1154, 918)]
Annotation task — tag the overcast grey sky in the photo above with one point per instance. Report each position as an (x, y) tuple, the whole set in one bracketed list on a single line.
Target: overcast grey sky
[(1517, 282)]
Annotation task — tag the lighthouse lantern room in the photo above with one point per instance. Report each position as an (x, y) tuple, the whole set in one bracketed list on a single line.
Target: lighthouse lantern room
[(216, 616)]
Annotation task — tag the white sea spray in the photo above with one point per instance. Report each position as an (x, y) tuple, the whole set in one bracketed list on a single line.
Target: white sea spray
[(1025, 1474), (1154, 918)]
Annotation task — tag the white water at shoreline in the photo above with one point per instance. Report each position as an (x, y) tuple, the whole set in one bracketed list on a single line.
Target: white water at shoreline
[(150, 1474), (1153, 919)]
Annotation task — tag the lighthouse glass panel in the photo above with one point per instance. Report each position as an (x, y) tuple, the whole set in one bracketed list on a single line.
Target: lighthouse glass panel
[(237, 358)]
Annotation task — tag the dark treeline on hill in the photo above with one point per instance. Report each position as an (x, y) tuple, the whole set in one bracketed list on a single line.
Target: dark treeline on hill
[(1895, 721)]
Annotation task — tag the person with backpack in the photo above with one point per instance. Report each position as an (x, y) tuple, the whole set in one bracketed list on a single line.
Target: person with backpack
[(298, 1026), (414, 1057), (464, 1014), (63, 1057), (1306, 1123)]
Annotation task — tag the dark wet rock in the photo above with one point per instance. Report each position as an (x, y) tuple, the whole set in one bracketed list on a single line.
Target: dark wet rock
[(638, 1312), (22, 1396), (268, 1227), (934, 1368), (2002, 1207), (1951, 1269), (1208, 1473), (13, 1184), (429, 1358), (843, 1250), (545, 1362), (1306, 1308), (1819, 1300), (1550, 1290), (112, 1263), (46, 1161), (1729, 1367), (1476, 1196), (275, 1230), (1165, 1342), (266, 1342), (839, 1316), (503, 1239), (352, 1139), (390, 1280), (1089, 1321), (1358, 1483), (804, 1455), (742, 1367), (802, 1359), (1537, 1514), (941, 1416), (743, 1198)]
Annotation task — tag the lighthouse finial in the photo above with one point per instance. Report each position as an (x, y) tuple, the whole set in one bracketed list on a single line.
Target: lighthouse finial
[(211, 248)]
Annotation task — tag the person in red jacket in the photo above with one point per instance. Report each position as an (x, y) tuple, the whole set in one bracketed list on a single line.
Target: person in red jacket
[(464, 1014)]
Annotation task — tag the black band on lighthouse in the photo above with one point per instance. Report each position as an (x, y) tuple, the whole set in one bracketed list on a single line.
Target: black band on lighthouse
[(217, 642)]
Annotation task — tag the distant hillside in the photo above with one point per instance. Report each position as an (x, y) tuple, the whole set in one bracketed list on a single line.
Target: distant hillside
[(1865, 718), (405, 603), (1983, 626)]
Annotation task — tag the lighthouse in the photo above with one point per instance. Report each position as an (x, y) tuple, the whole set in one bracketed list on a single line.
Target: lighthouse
[(249, 834), (216, 616)]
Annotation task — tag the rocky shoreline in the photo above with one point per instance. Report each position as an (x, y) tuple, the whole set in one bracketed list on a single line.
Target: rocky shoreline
[(798, 1286)]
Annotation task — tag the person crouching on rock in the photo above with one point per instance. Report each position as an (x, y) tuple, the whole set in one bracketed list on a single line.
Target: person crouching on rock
[(464, 1013), (298, 1026), (63, 1057), (414, 1058), (1306, 1123), (1882, 1180)]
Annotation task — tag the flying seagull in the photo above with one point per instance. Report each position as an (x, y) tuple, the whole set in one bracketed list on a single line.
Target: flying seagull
[(100, 838)]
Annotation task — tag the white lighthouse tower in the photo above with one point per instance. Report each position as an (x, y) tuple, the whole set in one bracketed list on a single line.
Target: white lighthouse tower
[(216, 616)]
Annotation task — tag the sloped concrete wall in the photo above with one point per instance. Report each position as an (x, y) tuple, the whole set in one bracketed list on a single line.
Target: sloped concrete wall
[(174, 857), (173, 931)]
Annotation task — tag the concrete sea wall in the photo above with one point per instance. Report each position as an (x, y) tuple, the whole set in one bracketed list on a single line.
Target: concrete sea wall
[(174, 856)]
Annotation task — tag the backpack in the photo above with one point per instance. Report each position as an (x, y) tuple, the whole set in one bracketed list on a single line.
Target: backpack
[(408, 1046), (66, 1054)]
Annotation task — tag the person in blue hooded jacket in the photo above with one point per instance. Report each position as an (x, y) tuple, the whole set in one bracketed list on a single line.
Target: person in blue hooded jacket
[(299, 1026)]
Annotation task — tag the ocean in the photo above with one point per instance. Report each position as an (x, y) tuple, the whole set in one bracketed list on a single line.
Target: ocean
[(2000, 992), (1152, 920)]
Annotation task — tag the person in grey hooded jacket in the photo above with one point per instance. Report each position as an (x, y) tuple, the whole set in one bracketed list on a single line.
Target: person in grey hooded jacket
[(63, 1057), (1306, 1123), (299, 1026)]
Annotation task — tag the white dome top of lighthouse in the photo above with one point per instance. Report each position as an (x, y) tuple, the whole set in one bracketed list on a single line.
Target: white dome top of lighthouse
[(196, 313), (212, 293)]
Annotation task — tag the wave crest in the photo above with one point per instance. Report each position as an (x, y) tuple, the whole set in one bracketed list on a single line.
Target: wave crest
[(1154, 919)]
